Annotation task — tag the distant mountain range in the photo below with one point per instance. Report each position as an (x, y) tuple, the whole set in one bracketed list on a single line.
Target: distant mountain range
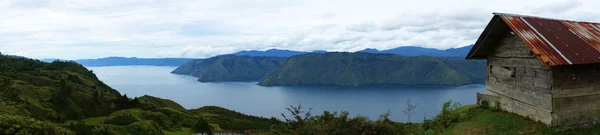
[(274, 53), (416, 51), (123, 61), (404, 51)]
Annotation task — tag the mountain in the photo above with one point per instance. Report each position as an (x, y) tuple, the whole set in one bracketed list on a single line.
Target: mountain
[(274, 53), (230, 68), (360, 69), (404, 50), (416, 51), (123, 61), (269, 53)]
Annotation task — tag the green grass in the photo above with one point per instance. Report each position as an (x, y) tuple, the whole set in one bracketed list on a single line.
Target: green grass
[(183, 131), (486, 121)]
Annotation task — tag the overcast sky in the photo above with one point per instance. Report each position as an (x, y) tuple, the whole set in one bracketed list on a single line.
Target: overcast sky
[(75, 29)]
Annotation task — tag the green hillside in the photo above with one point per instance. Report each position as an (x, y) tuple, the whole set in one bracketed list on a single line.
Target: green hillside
[(64, 97), (230, 68), (56, 91), (358, 69)]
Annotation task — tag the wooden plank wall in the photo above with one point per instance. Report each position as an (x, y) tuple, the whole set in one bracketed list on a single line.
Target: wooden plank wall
[(575, 93), (519, 80)]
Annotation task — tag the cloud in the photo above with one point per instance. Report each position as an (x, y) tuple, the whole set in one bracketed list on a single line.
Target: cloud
[(75, 29)]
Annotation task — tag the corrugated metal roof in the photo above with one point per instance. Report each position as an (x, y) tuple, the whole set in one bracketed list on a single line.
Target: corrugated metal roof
[(557, 42)]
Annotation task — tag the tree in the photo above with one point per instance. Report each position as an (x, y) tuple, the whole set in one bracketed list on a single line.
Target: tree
[(135, 102), (12, 94), (409, 111), (96, 94), (81, 128), (297, 119), (66, 90), (202, 127), (6, 83)]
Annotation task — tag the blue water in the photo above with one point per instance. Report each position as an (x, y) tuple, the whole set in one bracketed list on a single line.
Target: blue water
[(249, 98)]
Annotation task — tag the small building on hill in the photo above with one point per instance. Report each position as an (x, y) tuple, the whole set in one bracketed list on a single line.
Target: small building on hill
[(541, 68)]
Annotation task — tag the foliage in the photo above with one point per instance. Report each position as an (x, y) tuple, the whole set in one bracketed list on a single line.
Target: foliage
[(445, 118), (56, 91), (121, 120), (81, 128), (333, 123), (13, 124), (363, 69), (107, 129), (146, 127), (231, 120), (183, 131), (202, 127), (230, 68), (150, 102)]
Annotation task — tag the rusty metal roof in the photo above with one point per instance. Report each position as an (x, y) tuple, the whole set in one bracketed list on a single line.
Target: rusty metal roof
[(554, 41)]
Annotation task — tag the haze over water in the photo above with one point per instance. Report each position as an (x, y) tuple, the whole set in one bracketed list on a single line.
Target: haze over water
[(249, 98)]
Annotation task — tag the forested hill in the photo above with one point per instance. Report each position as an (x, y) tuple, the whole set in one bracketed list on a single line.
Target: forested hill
[(230, 68), (65, 98), (358, 69), (54, 91)]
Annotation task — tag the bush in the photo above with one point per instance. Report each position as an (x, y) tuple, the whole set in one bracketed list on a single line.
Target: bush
[(333, 123), (202, 127), (446, 117), (145, 127), (81, 128), (496, 107), (13, 124), (109, 130), (484, 103), (121, 120)]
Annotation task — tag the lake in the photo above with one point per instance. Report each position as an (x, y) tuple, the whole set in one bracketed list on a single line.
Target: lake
[(249, 98)]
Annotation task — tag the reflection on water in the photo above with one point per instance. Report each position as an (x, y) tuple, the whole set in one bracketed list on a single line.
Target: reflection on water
[(249, 98)]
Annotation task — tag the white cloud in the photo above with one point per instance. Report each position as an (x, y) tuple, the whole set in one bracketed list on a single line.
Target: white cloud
[(74, 29)]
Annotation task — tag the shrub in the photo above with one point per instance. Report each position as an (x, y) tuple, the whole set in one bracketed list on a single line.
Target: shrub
[(484, 103), (333, 123), (145, 127), (122, 120), (446, 117), (202, 127), (497, 107), (81, 128), (13, 124), (107, 129)]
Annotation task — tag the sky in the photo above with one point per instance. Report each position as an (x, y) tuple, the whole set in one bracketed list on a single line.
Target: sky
[(79, 29)]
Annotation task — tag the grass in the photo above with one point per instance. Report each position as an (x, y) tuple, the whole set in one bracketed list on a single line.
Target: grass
[(183, 131), (481, 120)]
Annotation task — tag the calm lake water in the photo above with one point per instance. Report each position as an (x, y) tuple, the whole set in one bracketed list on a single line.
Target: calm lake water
[(249, 98)]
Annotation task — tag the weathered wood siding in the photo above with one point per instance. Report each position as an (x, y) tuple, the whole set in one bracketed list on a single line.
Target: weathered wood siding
[(576, 95), (519, 81)]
